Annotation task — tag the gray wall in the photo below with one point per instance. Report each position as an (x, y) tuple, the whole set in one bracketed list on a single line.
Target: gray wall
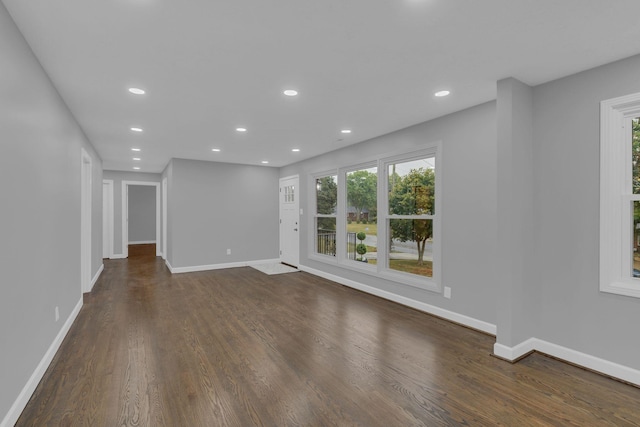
[(216, 206), (512, 263), (520, 213), (469, 203), (571, 310), (142, 214), (40, 146), (117, 178)]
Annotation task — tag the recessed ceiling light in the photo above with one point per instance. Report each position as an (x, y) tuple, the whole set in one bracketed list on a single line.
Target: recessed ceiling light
[(136, 91), (135, 149), (241, 129), (137, 159), (264, 162), (442, 93), (215, 149), (136, 168), (346, 131), (295, 150), (290, 92), (136, 129)]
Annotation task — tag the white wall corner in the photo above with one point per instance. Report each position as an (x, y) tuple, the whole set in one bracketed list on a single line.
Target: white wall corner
[(512, 354), (23, 398), (462, 319)]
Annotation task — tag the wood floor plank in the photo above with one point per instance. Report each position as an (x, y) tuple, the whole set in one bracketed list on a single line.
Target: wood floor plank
[(237, 347)]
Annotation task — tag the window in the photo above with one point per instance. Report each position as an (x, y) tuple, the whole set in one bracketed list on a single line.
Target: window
[(325, 214), (382, 217), (361, 223), (410, 216), (620, 195)]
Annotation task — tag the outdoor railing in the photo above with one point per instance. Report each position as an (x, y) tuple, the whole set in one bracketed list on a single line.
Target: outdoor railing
[(327, 243)]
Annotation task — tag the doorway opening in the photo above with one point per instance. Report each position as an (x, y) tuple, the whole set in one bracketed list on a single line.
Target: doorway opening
[(126, 218)]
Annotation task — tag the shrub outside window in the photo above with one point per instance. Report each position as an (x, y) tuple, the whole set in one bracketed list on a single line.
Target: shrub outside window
[(361, 218)]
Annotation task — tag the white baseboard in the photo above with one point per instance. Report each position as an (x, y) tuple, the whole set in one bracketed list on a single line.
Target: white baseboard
[(24, 396), (418, 305), (588, 361), (514, 353), (117, 256), (96, 277), (175, 270), (143, 242)]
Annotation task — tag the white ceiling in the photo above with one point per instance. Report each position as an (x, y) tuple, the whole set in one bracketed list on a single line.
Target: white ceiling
[(372, 66)]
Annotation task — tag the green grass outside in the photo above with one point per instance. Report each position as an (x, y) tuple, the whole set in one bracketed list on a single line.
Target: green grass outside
[(411, 266), (356, 228), (407, 266)]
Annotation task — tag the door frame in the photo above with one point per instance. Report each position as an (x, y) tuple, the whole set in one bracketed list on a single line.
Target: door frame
[(164, 218), (297, 203), (107, 218), (125, 215), (86, 171)]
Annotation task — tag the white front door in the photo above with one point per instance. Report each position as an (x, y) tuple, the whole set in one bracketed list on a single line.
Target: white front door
[(289, 220)]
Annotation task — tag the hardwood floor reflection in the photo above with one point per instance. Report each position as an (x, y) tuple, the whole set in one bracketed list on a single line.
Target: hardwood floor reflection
[(236, 347)]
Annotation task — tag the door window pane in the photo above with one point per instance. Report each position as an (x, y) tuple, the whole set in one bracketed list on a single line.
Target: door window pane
[(289, 194)]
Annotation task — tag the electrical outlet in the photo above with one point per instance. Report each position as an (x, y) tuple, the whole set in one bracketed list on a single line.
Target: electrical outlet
[(228, 251), (447, 292), (57, 313)]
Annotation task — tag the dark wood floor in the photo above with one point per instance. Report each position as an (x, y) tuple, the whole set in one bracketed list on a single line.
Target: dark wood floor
[(236, 347)]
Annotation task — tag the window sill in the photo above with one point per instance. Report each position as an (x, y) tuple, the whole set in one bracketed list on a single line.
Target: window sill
[(629, 288), (427, 284)]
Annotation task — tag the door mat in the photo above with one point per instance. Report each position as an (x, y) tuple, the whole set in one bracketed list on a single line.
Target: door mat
[(275, 268)]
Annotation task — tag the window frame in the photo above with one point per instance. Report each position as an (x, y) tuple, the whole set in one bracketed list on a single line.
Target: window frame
[(313, 250), (343, 206), (616, 195), (381, 270), (431, 283)]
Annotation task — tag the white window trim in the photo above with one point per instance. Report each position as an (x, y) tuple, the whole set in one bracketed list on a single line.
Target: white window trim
[(616, 195), (380, 269), (430, 283)]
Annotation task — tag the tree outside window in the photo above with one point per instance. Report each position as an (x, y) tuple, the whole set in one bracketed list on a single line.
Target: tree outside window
[(411, 214)]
